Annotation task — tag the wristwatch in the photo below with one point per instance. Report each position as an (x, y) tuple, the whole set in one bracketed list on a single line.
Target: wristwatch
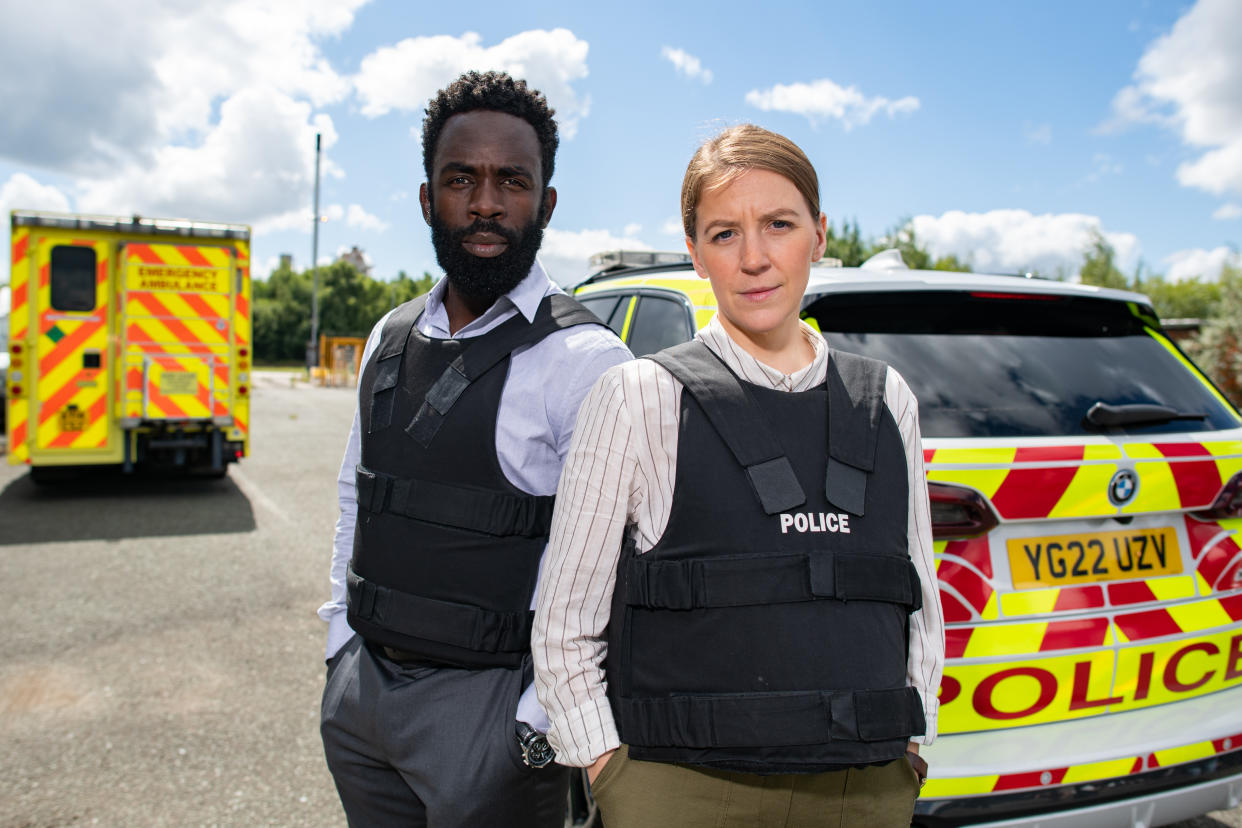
[(536, 752)]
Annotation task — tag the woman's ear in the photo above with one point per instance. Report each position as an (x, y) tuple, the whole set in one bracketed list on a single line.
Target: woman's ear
[(821, 237), (694, 258)]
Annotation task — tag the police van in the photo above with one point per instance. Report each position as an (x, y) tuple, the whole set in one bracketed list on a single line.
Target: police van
[(1086, 487)]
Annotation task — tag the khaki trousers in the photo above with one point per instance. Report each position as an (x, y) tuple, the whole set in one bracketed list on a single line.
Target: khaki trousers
[(635, 794)]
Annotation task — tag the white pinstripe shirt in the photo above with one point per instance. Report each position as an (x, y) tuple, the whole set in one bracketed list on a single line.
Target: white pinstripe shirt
[(620, 472)]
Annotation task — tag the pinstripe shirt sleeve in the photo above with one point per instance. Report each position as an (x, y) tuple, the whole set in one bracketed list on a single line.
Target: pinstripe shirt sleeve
[(925, 662)]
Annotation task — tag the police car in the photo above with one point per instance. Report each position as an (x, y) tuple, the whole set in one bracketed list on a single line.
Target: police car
[(1086, 488)]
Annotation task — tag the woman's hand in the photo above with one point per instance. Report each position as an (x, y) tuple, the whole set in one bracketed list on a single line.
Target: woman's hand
[(598, 765), (917, 762)]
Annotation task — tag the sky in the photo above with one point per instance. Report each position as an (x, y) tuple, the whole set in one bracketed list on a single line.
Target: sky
[(1005, 132)]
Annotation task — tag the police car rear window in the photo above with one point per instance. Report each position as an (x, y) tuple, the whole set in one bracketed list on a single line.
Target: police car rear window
[(988, 365)]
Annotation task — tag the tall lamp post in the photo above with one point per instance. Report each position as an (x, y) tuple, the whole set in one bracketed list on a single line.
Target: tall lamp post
[(312, 350)]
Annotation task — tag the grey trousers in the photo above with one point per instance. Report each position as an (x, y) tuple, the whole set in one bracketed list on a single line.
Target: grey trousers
[(430, 746)]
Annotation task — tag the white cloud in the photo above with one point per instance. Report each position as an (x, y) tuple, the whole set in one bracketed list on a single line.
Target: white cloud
[(672, 226), (256, 162), (632, 229), (1228, 211), (176, 108), (1015, 241), (565, 253), (21, 192), (687, 64), (1198, 263), (1188, 81), (121, 79), (355, 216), (405, 76), (823, 99), (1037, 133), (1103, 164)]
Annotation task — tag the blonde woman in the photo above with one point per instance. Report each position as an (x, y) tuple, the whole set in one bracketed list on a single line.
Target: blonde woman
[(738, 622)]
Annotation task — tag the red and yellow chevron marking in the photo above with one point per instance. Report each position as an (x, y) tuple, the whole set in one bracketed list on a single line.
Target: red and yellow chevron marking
[(243, 336), (945, 787), (1025, 483), (178, 330), (72, 399), (17, 418)]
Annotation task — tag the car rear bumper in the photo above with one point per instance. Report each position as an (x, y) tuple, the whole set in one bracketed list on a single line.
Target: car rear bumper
[(1159, 797), (1127, 769)]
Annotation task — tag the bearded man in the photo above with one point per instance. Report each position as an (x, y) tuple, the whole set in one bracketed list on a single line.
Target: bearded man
[(466, 405)]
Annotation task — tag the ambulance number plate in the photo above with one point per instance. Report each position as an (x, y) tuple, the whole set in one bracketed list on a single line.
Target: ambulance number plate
[(178, 382), (72, 418), (1057, 560)]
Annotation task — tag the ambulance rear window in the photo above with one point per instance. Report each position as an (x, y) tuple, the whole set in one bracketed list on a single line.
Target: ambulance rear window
[(72, 278), (1005, 365)]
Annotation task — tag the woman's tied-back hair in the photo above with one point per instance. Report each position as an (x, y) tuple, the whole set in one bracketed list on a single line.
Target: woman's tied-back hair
[(498, 92), (722, 159)]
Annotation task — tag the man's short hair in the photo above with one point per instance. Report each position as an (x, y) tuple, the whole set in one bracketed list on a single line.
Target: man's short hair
[(498, 92)]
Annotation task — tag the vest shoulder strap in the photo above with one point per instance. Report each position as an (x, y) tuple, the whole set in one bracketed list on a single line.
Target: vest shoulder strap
[(397, 328), (387, 360), (738, 420), (855, 405), (556, 312)]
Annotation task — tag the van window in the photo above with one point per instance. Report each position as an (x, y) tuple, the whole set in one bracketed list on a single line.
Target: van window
[(658, 323), (983, 366), (72, 277)]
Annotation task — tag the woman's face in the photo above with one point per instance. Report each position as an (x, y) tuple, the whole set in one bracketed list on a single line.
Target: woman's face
[(755, 241)]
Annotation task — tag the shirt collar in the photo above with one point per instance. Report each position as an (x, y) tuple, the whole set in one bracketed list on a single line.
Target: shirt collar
[(752, 370), (525, 299)]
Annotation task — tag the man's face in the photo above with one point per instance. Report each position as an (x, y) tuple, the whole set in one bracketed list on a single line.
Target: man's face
[(486, 202)]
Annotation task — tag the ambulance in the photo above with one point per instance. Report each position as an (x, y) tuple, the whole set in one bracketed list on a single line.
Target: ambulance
[(1086, 487), (129, 344)]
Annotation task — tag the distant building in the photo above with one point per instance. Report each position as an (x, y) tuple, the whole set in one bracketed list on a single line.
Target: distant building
[(356, 257), (286, 261)]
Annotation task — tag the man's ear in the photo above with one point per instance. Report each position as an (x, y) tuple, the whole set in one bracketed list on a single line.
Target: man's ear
[(549, 204), (424, 198)]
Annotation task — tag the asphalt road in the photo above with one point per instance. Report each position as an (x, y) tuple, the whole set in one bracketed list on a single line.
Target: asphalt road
[(162, 661)]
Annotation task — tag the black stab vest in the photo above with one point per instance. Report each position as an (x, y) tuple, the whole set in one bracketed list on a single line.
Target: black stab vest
[(767, 630), (446, 549)]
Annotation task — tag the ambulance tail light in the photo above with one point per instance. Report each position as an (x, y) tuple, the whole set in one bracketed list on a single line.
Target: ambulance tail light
[(958, 512), (1228, 503)]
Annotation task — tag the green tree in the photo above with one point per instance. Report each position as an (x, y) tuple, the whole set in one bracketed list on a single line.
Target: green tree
[(952, 263), (1187, 299), (1218, 347), (282, 304), (847, 244), (904, 239), (1097, 264)]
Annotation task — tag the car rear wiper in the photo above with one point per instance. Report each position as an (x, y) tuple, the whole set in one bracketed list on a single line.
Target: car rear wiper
[(1103, 415)]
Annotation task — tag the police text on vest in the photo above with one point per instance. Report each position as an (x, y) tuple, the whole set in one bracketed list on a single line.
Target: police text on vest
[(815, 522)]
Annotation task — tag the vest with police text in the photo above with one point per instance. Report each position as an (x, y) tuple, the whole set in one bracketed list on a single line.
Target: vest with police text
[(767, 630), (446, 549)]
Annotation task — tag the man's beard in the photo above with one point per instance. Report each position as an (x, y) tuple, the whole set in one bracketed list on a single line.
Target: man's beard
[(486, 279)]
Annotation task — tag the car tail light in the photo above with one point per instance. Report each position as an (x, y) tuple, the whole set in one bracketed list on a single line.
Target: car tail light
[(242, 390), (17, 391), (16, 348), (958, 512), (243, 352), (1228, 503)]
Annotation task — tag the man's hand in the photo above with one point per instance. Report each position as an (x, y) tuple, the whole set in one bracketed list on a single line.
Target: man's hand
[(598, 765), (917, 762)]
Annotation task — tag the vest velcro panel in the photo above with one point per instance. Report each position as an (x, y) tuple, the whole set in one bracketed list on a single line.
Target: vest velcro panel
[(559, 311), (740, 424), (494, 513), (459, 625), (796, 718), (742, 581)]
